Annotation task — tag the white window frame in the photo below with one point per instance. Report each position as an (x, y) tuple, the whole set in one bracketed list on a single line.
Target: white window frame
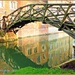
[(1, 4), (13, 5)]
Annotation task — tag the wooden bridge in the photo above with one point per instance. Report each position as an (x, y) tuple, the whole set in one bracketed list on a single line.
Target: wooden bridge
[(61, 16)]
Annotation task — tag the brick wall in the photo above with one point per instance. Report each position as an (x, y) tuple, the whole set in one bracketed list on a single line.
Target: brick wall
[(31, 29)]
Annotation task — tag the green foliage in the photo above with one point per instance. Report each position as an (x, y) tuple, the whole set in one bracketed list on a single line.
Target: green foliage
[(30, 70)]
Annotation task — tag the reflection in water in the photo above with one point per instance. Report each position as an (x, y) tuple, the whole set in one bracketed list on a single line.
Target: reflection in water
[(35, 48), (39, 51), (12, 57), (47, 48), (15, 58)]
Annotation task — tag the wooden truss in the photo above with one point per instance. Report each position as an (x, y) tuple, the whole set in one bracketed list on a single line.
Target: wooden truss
[(61, 16)]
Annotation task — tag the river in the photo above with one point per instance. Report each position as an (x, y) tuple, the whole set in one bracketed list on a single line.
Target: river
[(36, 51)]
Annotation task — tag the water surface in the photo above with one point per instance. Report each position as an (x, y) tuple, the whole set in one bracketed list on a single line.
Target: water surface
[(39, 51)]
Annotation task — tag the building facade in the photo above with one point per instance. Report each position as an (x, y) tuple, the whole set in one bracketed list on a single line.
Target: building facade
[(6, 7)]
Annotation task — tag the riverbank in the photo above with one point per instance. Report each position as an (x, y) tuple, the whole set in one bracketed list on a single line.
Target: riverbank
[(30, 70)]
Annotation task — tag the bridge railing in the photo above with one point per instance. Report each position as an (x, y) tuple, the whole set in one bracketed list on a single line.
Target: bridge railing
[(54, 14)]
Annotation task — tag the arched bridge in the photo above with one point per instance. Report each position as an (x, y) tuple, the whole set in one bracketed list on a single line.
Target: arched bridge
[(61, 16)]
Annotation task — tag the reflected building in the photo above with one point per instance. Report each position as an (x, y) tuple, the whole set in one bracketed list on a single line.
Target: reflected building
[(60, 50), (54, 48), (41, 56), (12, 58), (36, 49), (46, 50)]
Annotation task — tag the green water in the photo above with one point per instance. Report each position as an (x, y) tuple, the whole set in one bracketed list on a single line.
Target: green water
[(39, 51)]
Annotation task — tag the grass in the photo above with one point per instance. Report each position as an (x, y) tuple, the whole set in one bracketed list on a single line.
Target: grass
[(30, 70)]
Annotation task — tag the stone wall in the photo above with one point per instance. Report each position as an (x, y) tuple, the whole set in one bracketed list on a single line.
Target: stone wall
[(32, 29)]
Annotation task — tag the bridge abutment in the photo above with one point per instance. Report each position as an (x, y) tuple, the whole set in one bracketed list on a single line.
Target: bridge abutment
[(9, 36)]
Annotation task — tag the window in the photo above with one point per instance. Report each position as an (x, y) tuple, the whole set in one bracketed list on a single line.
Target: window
[(56, 44), (13, 5), (74, 43), (29, 51), (38, 60), (43, 47), (1, 4), (44, 56), (35, 50), (50, 46), (43, 26)]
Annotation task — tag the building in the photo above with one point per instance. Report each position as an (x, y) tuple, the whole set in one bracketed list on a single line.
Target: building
[(35, 48), (60, 1), (7, 7), (26, 2)]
